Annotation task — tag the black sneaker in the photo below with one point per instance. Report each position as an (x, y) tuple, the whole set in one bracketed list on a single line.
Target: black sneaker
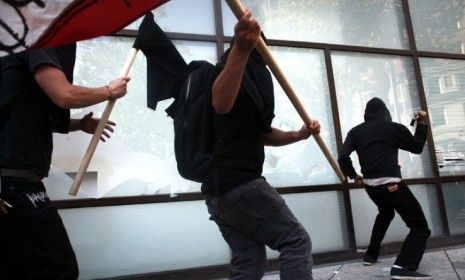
[(368, 260), (405, 274)]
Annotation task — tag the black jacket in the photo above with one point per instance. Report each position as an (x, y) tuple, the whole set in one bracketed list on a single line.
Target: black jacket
[(377, 142)]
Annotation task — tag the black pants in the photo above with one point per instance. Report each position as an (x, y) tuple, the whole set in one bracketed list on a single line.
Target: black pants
[(252, 216), (404, 203), (33, 240)]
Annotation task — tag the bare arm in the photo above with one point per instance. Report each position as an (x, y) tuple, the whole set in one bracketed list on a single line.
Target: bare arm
[(66, 95), (226, 86), (278, 137)]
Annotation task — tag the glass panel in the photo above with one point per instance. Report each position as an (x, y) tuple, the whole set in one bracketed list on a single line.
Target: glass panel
[(364, 213), (184, 16), (360, 77), (301, 163), (378, 23), (454, 197), (139, 159), (323, 216), (439, 25), (136, 239), (444, 81)]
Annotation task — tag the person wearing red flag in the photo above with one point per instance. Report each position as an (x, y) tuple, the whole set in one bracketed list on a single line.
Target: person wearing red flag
[(36, 93)]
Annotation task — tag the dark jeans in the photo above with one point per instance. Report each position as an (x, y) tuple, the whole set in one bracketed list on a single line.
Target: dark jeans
[(254, 215), (33, 240), (404, 203)]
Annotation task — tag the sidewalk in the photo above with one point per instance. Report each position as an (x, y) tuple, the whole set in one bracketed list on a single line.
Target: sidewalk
[(442, 264)]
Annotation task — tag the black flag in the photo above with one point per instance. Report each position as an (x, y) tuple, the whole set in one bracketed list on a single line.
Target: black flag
[(166, 69)]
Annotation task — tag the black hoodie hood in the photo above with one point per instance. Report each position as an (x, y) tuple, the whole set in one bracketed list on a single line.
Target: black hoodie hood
[(376, 109)]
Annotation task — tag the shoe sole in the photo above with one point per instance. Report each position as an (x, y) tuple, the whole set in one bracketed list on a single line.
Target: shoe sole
[(368, 263), (411, 278)]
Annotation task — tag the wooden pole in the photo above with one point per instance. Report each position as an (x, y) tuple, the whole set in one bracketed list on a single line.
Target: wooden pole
[(262, 48), (99, 130)]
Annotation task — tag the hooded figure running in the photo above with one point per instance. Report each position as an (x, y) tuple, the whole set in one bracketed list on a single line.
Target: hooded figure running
[(377, 142)]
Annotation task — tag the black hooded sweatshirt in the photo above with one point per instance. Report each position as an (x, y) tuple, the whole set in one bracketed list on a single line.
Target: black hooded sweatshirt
[(377, 142)]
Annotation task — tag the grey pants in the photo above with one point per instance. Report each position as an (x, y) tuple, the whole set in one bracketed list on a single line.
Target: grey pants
[(254, 215)]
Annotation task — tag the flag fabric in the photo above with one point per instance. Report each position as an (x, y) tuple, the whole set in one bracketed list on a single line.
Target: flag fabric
[(166, 69), (50, 23)]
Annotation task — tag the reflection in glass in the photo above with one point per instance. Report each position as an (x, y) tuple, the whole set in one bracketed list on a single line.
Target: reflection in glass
[(444, 82), (301, 163), (371, 23), (184, 16), (145, 238), (364, 213), (139, 158), (439, 25), (360, 77), (325, 224), (454, 197)]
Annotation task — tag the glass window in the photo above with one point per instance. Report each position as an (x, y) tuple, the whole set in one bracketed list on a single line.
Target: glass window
[(136, 239), (439, 25), (184, 16), (301, 163), (445, 95), (322, 214), (454, 197), (369, 23), (364, 213), (139, 158), (360, 77)]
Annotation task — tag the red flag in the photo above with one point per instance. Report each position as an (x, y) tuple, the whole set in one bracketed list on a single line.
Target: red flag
[(50, 23)]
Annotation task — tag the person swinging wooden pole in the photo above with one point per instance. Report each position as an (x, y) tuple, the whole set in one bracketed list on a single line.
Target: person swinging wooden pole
[(98, 132), (262, 48)]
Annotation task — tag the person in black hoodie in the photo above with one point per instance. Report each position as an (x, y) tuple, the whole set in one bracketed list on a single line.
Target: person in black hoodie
[(377, 142), (249, 212)]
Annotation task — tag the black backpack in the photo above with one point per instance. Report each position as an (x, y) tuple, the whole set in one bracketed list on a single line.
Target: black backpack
[(192, 116)]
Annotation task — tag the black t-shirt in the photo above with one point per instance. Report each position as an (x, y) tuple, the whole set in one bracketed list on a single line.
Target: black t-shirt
[(26, 134), (240, 154)]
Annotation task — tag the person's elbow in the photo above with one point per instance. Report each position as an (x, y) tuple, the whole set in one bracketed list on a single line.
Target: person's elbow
[(66, 100), (418, 149), (342, 160), (221, 108), (220, 105)]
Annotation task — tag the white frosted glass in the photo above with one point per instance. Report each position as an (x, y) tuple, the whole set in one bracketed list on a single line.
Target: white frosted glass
[(371, 23), (139, 158), (301, 163), (360, 77), (364, 213), (323, 216), (184, 16), (454, 197), (136, 239), (444, 81), (439, 25)]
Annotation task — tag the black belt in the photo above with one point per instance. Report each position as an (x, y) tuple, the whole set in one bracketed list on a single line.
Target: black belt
[(21, 174)]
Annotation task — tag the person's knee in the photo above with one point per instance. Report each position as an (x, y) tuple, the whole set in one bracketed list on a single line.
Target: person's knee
[(307, 242), (387, 215), (422, 230), (72, 272), (302, 242), (248, 268)]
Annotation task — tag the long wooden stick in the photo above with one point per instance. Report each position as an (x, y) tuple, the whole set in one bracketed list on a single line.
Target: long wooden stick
[(262, 48), (99, 130)]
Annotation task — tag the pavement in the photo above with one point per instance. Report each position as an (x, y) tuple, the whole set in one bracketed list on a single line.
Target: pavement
[(442, 264)]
